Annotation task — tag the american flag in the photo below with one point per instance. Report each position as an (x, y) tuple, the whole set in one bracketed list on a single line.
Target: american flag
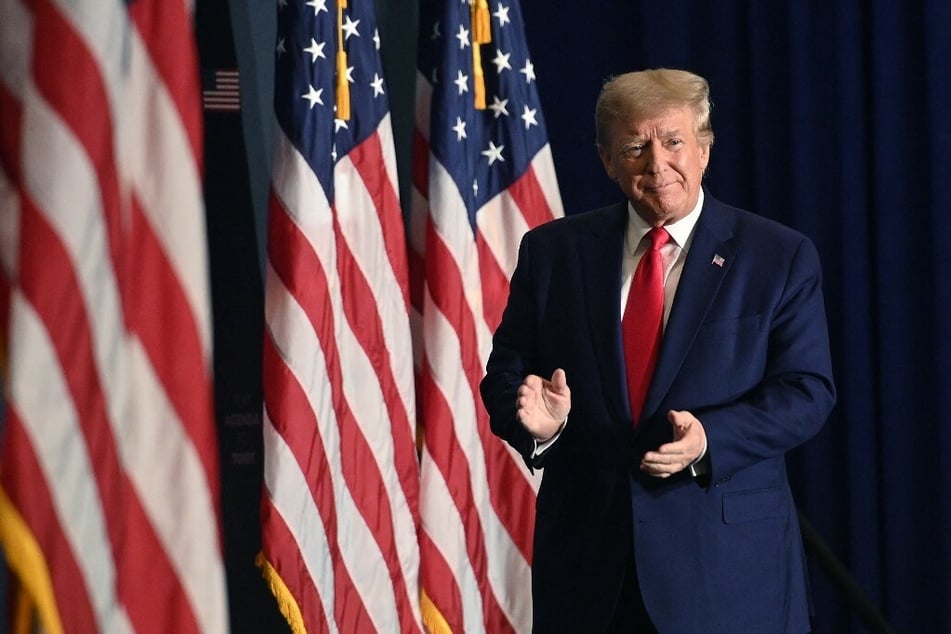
[(109, 478), (482, 177), (340, 508)]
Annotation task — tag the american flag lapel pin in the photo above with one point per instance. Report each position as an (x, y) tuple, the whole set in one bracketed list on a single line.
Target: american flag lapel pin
[(718, 260)]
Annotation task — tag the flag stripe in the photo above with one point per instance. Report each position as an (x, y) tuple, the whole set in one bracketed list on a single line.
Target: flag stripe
[(481, 178), (116, 258), (337, 311), (32, 498)]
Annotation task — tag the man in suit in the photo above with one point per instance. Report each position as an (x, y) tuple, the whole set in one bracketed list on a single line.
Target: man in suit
[(664, 504)]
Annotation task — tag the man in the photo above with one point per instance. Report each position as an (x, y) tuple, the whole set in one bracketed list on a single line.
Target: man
[(663, 509)]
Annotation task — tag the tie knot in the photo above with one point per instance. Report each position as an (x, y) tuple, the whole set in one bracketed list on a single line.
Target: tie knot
[(658, 237)]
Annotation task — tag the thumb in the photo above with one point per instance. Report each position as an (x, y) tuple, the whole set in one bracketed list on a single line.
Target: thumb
[(559, 382), (680, 420)]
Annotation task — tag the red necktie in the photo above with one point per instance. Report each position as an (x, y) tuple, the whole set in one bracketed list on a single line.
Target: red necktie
[(642, 324)]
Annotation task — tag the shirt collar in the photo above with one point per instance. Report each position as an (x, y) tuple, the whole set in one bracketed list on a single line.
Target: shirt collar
[(679, 231)]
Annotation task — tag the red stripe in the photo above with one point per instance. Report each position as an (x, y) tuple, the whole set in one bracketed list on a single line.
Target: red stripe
[(372, 497), (285, 556), (143, 569), (530, 198), (300, 270), (25, 483), (508, 487), (10, 117), (421, 158), (437, 578), (368, 158), (292, 417), (156, 305), (165, 28), (495, 284), (86, 111), (452, 461)]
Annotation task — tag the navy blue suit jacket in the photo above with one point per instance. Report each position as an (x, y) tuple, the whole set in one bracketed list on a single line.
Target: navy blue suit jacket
[(745, 350)]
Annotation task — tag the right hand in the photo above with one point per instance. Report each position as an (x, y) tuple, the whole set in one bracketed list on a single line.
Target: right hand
[(542, 406)]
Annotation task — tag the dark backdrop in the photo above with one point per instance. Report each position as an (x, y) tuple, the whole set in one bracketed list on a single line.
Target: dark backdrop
[(830, 116)]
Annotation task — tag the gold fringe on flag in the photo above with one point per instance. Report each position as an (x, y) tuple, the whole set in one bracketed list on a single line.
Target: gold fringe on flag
[(433, 620), (285, 600), (33, 582), (343, 86)]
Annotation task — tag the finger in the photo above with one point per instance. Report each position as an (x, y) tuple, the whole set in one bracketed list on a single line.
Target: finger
[(559, 381)]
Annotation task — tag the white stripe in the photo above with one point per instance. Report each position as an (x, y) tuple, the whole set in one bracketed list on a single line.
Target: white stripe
[(502, 225), (164, 175), (292, 500), (149, 141), (16, 42), (297, 187), (442, 522), (39, 392), (504, 558), (74, 209), (424, 99), (169, 479), (303, 353), (544, 167)]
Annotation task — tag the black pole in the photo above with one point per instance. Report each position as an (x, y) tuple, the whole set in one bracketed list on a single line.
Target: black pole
[(840, 577)]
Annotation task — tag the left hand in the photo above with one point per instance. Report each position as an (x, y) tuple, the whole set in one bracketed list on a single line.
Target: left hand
[(674, 457)]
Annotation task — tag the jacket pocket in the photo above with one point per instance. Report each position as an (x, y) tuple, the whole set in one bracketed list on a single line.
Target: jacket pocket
[(749, 506)]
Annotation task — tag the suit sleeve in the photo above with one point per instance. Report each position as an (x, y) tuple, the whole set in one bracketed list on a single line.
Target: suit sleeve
[(513, 357), (792, 401)]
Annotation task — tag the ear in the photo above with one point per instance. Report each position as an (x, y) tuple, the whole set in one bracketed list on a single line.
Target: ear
[(704, 156), (606, 161)]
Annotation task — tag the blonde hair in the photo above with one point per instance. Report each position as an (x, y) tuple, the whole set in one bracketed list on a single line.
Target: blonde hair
[(648, 92)]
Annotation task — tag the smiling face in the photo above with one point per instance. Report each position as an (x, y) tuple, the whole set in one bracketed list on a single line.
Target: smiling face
[(658, 162)]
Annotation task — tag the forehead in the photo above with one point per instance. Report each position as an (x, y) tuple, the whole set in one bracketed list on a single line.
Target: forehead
[(672, 120)]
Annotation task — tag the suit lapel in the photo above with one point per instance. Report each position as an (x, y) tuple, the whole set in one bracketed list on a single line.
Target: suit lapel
[(599, 252), (708, 261)]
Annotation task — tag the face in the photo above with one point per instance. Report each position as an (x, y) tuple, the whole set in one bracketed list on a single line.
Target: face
[(658, 163)]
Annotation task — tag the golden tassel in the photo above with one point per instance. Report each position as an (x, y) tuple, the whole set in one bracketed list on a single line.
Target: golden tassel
[(343, 86)]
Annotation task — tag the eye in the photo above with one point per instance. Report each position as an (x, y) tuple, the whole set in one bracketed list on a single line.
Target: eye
[(632, 150), (674, 142)]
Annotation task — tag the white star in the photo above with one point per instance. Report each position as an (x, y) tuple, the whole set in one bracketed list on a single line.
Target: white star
[(340, 124), (436, 34), (463, 37), (316, 50), (319, 5), (529, 71), (494, 153), (349, 74), (377, 84), (475, 188), (459, 129), (498, 107), (501, 61), (462, 81), (313, 96), (333, 152), (350, 28), (281, 49), (528, 116), (503, 15), (376, 38)]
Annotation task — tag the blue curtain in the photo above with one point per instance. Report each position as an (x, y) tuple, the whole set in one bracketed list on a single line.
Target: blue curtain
[(833, 118)]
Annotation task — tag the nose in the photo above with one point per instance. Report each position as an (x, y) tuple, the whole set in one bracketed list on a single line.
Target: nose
[(655, 158)]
